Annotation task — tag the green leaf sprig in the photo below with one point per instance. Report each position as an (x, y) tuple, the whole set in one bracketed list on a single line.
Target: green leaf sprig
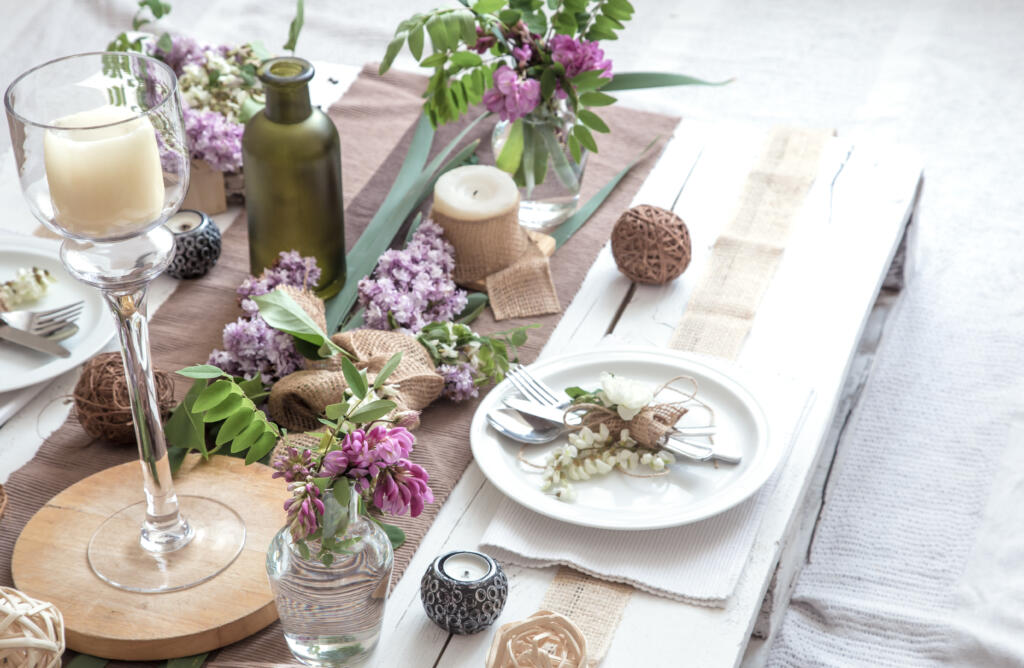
[(454, 342)]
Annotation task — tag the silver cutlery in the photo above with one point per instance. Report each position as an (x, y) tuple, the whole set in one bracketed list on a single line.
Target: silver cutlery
[(39, 330), (538, 391), (558, 415)]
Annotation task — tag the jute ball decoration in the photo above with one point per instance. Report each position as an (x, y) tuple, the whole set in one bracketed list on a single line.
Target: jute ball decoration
[(651, 245), (101, 399), (31, 631)]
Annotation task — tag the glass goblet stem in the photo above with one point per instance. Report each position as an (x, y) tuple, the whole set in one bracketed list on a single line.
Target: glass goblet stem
[(164, 529)]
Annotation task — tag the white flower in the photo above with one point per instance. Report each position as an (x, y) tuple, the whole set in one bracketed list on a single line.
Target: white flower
[(628, 396)]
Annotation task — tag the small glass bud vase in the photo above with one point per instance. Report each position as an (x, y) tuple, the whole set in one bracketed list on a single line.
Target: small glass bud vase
[(332, 613), (547, 174)]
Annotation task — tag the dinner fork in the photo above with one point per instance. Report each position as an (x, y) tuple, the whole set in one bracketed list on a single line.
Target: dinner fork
[(44, 323), (534, 388)]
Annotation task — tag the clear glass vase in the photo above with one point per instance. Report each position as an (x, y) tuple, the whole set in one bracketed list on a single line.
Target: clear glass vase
[(332, 614), (546, 173)]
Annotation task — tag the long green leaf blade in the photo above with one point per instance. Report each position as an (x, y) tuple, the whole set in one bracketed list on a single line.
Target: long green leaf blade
[(188, 661), (576, 221), (635, 80)]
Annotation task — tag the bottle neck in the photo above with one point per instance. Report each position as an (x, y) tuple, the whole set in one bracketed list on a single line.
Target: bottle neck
[(288, 104)]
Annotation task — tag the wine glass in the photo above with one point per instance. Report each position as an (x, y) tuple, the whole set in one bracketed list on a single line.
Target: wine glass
[(100, 146)]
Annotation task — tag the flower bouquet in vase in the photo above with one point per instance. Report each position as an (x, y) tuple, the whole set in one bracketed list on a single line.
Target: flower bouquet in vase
[(540, 67)]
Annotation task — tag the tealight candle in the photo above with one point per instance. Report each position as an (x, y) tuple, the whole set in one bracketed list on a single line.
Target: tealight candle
[(464, 592), (475, 193), (197, 244), (104, 174)]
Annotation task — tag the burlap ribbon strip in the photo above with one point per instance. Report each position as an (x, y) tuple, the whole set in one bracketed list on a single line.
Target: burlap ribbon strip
[(298, 399), (716, 322), (499, 256)]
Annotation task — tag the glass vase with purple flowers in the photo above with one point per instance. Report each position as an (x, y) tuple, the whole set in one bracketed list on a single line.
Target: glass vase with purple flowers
[(330, 566)]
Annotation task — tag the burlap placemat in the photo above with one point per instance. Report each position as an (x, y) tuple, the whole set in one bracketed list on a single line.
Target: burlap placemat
[(375, 119), (717, 320)]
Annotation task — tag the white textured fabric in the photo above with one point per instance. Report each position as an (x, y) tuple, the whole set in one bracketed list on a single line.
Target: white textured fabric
[(699, 563), (896, 574)]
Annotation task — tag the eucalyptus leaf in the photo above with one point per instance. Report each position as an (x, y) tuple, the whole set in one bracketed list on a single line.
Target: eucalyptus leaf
[(596, 99), (416, 41), (387, 370), (213, 395), (283, 313), (593, 121), (342, 492), (295, 27), (512, 151), (587, 139), (635, 80), (355, 380), (394, 46), (261, 448), (334, 514), (395, 534), (335, 411), (372, 411), (201, 371), (476, 302)]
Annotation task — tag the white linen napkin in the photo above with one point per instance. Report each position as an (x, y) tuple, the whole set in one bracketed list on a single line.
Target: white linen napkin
[(698, 563)]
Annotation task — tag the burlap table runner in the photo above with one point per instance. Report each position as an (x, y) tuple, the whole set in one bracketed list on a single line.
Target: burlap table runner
[(716, 322), (375, 119)]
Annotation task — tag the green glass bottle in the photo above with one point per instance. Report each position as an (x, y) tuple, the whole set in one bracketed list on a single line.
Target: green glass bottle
[(292, 160)]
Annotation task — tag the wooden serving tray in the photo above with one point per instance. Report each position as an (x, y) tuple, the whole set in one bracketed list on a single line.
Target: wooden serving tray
[(49, 563)]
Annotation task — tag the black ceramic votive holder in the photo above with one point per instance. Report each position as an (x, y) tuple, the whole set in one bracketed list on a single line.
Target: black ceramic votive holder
[(197, 244), (464, 592)]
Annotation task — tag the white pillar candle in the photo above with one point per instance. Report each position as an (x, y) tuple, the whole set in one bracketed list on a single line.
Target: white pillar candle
[(466, 566), (105, 180), (475, 192)]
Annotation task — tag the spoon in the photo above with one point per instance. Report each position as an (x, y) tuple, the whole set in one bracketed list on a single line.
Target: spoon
[(513, 424)]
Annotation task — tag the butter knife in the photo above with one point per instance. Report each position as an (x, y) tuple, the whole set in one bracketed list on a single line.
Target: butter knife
[(553, 414), (30, 340)]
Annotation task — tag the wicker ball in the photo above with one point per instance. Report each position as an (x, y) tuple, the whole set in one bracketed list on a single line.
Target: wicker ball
[(651, 245), (32, 634), (101, 399)]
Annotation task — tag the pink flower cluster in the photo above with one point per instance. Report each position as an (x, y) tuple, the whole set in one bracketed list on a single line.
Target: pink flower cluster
[(511, 97), (579, 56), (375, 460)]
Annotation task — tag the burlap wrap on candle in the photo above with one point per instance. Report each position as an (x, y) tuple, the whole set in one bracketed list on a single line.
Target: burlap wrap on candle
[(498, 255), (298, 399)]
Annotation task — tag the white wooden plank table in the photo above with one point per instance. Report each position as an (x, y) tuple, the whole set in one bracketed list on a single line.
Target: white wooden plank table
[(808, 326)]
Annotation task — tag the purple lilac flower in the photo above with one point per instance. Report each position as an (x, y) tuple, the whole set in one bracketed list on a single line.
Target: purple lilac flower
[(403, 487), (458, 381), (412, 288), (293, 464), (214, 139), (511, 98), (184, 51), (579, 56), (304, 509), (290, 268), (253, 348)]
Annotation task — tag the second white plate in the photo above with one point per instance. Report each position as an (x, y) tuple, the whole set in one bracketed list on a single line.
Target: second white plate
[(692, 491), (21, 367)]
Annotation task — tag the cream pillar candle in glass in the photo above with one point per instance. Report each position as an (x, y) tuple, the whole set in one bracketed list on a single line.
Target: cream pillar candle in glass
[(104, 172), (99, 143), (475, 192)]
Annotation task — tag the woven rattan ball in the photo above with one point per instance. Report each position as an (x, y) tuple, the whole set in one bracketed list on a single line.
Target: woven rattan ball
[(651, 245), (101, 399), (32, 634)]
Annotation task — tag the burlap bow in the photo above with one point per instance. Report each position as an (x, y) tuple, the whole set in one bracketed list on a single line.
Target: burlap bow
[(298, 399), (650, 426)]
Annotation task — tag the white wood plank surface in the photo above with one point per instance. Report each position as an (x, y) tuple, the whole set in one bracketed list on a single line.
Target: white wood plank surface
[(809, 325)]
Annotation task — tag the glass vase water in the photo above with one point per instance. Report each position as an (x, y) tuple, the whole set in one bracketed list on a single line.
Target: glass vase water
[(101, 154), (332, 614), (548, 176)]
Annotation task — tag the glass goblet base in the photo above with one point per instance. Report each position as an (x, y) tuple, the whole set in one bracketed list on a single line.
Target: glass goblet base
[(117, 556)]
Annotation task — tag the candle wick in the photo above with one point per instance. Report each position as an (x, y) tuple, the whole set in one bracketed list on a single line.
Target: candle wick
[(465, 574), (475, 192)]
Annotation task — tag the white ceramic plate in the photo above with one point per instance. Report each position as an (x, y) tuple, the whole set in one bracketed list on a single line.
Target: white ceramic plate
[(21, 367), (692, 491)]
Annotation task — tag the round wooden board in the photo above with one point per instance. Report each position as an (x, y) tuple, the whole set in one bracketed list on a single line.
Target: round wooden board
[(49, 563)]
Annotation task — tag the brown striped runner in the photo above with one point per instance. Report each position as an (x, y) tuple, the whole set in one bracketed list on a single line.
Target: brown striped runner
[(375, 120), (716, 322)]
